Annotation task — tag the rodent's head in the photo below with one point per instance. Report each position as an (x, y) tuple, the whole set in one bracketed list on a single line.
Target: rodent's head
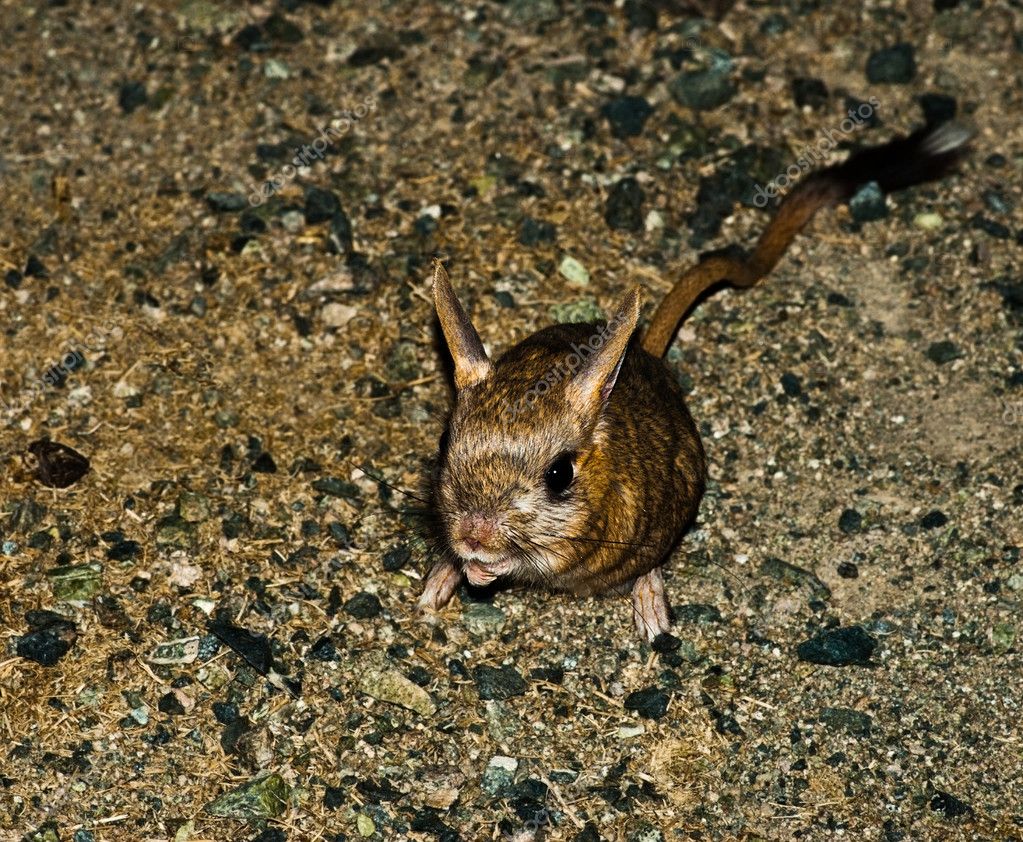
[(522, 454)]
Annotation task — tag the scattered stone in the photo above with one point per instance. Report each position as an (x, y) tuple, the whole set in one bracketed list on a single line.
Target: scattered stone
[(868, 203), (949, 805), (363, 606), (185, 650), (50, 638), (937, 108), (124, 551), (943, 352), (850, 521), (627, 115), (536, 231), (499, 776), (320, 205), (791, 385), (193, 507), (848, 570), (253, 648), (132, 95), (933, 519), (794, 576), (585, 310), (650, 703), (334, 487), (498, 682), (56, 464), (396, 689), (170, 704), (697, 614), (265, 797), (336, 314), (838, 647), (483, 619), (76, 582), (845, 719), (364, 824), (707, 88), (573, 271), (227, 202), (892, 65), (809, 92), (928, 221), (624, 208)]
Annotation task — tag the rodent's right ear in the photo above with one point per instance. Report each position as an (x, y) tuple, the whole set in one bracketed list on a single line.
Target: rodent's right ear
[(470, 357)]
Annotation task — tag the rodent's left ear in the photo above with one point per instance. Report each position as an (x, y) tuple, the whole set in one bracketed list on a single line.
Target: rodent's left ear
[(590, 388), (470, 357)]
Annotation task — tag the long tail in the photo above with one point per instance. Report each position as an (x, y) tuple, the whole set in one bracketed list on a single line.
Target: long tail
[(925, 155)]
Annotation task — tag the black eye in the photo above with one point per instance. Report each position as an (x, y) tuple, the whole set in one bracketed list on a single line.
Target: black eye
[(560, 474)]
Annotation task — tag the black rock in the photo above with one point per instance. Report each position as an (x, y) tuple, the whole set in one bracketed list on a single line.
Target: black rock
[(225, 712), (396, 558), (334, 487), (278, 28), (707, 88), (868, 203), (943, 352), (251, 37), (650, 703), (264, 464), (56, 464), (253, 648), (270, 834), (320, 205), (589, 833), (937, 108), (933, 519), (131, 96), (34, 268), (952, 807), (536, 231), (13, 278), (124, 551), (892, 65), (624, 209), (226, 202), (640, 14), (665, 642), (809, 91), (363, 606), (697, 613), (498, 683), (233, 732), (49, 639), (845, 719), (323, 650), (790, 385), (333, 797), (848, 570), (991, 227), (339, 237), (375, 52), (170, 704), (850, 521), (838, 647), (627, 115)]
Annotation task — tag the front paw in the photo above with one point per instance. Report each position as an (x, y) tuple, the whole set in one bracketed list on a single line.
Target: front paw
[(650, 608), (441, 584)]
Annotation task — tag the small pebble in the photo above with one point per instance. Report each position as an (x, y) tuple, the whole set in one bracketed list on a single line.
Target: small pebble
[(892, 65), (650, 703), (573, 271), (838, 647)]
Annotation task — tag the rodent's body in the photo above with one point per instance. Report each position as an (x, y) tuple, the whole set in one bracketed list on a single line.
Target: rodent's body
[(580, 471), (643, 462)]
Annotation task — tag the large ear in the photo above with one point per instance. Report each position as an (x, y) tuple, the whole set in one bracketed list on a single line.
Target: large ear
[(590, 388), (471, 361)]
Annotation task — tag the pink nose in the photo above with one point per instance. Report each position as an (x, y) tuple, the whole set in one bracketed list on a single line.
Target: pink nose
[(475, 530)]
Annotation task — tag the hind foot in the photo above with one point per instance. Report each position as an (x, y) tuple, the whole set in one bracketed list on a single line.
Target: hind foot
[(441, 583)]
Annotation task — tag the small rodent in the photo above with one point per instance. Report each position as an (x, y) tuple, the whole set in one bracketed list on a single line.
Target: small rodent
[(571, 461)]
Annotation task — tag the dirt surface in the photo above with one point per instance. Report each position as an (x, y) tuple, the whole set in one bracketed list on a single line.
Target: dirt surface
[(238, 370)]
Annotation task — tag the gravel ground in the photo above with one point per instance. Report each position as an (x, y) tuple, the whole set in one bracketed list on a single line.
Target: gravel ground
[(210, 634)]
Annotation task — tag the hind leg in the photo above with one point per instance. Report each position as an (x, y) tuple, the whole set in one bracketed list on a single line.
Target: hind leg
[(650, 607), (441, 583)]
